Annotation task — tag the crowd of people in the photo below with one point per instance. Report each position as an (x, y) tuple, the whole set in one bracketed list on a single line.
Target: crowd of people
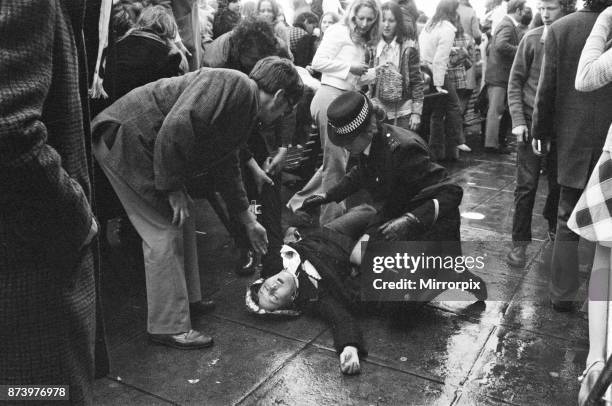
[(204, 98)]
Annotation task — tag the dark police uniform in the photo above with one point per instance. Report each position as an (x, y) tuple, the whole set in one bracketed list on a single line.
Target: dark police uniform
[(401, 178)]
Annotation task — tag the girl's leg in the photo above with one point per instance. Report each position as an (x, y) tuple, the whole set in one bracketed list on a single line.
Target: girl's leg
[(599, 296)]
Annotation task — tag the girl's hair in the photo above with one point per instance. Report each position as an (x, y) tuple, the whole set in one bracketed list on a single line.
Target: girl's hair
[(373, 35), (402, 32), (158, 20), (335, 17), (536, 21), (445, 11), (275, 8), (303, 18), (597, 5), (124, 16)]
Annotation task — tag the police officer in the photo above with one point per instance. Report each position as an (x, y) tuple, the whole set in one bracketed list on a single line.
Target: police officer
[(414, 199)]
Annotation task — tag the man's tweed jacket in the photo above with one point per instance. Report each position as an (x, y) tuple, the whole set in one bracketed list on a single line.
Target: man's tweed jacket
[(47, 288)]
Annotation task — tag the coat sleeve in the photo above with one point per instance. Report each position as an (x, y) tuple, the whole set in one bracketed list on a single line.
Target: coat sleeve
[(595, 66), (442, 55), (544, 106), (349, 184), (414, 85), (439, 199), (518, 76), (502, 41), (325, 59), (445, 200), (30, 169), (344, 326), (217, 52), (230, 185)]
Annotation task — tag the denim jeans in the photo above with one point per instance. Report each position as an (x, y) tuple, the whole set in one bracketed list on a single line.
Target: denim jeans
[(446, 125), (334, 160), (527, 176)]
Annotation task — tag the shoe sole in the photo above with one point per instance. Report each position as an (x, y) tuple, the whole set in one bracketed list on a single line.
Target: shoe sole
[(180, 346)]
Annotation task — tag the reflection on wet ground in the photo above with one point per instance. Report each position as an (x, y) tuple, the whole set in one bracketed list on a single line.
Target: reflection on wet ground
[(512, 350)]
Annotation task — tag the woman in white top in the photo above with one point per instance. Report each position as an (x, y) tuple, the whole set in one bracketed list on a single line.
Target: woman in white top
[(592, 216), (342, 58), (436, 42)]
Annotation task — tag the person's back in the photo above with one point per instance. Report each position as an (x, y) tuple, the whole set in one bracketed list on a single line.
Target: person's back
[(140, 58), (582, 133), (469, 22)]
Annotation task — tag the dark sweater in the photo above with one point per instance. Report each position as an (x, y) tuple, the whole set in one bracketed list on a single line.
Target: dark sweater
[(524, 77)]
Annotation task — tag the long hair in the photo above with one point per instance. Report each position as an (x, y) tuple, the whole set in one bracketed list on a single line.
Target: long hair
[(304, 18), (597, 5), (275, 9), (445, 11), (158, 20), (372, 37), (402, 32)]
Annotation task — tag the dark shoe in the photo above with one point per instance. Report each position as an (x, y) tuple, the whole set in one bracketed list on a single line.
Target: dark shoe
[(191, 340), (551, 235), (481, 292), (246, 263), (498, 151), (202, 307), (517, 257), (562, 306)]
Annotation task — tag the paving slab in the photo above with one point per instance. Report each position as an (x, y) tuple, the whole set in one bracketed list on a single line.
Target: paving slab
[(113, 393), (525, 368), (428, 342), (240, 359), (480, 177), (125, 319), (501, 290), (494, 246), (474, 196), (466, 398), (230, 305), (314, 378), (530, 310)]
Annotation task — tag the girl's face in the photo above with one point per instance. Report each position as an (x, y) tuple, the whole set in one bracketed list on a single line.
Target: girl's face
[(364, 19), (326, 22), (235, 6), (266, 11), (389, 25)]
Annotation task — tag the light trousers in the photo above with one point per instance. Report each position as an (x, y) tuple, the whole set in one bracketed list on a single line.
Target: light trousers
[(497, 106), (170, 257), (335, 160)]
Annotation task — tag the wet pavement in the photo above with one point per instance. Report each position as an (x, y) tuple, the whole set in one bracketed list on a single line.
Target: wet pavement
[(513, 349)]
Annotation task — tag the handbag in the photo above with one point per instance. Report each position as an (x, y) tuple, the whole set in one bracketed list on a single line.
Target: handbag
[(389, 83)]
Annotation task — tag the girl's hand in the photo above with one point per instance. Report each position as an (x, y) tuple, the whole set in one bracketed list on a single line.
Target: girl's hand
[(359, 69), (439, 89), (261, 178), (415, 122)]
